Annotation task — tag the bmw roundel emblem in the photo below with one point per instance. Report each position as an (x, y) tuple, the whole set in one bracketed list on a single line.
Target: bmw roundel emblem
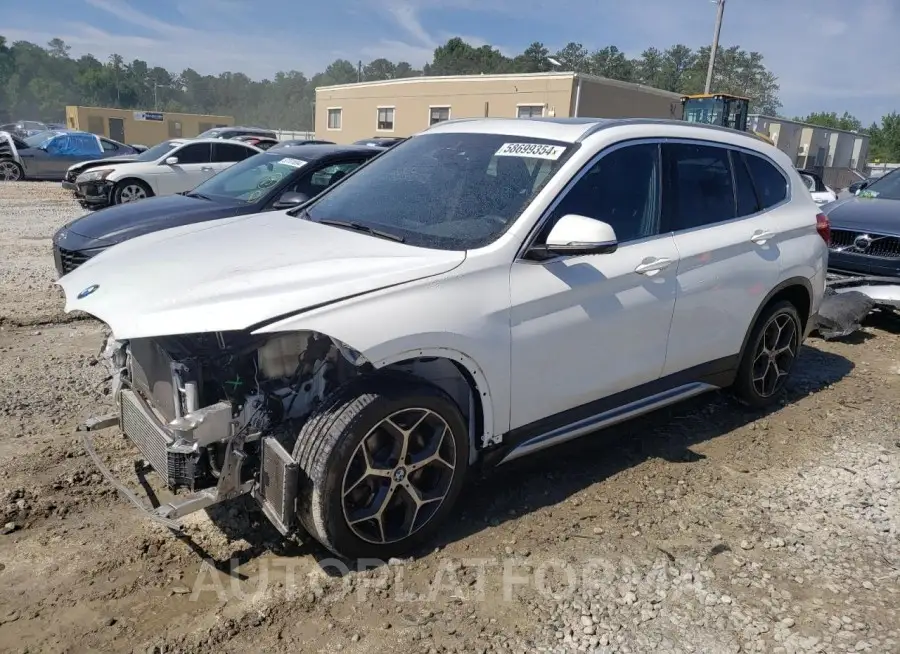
[(90, 289)]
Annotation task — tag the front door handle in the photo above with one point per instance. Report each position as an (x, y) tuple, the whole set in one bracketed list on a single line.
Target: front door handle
[(761, 236), (651, 265), (206, 169)]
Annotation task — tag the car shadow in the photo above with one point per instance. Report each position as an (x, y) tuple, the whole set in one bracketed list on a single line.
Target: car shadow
[(542, 481)]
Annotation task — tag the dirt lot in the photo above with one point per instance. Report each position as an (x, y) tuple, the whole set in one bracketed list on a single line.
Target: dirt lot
[(703, 528)]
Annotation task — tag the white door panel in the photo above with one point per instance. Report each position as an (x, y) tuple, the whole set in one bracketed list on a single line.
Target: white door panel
[(587, 327), (724, 273)]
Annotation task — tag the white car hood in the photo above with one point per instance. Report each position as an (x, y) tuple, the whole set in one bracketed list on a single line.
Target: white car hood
[(238, 272)]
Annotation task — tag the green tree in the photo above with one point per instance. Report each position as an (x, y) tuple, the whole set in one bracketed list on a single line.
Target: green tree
[(573, 57), (884, 139), (832, 120), (535, 59), (379, 69)]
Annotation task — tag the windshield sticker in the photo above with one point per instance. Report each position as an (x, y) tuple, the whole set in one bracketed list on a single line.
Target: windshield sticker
[(867, 194), (534, 150), (293, 163)]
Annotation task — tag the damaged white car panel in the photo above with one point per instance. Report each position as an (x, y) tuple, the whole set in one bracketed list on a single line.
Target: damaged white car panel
[(453, 301)]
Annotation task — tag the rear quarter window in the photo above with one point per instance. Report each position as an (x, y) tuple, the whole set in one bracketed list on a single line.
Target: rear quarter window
[(770, 183)]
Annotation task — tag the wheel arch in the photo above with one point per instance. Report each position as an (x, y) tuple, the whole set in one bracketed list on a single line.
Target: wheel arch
[(796, 290), (430, 363)]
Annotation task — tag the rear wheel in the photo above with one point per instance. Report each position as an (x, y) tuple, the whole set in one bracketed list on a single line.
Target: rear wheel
[(10, 171), (131, 190), (383, 461), (770, 355)]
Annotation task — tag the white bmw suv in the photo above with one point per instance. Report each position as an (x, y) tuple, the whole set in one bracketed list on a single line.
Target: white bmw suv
[(485, 290)]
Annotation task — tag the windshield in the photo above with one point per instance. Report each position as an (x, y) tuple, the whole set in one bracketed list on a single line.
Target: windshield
[(445, 191), (707, 111), (250, 179), (157, 151), (887, 187)]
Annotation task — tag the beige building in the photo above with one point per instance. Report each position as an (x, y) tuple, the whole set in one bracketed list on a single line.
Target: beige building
[(839, 156), (402, 107), (143, 127)]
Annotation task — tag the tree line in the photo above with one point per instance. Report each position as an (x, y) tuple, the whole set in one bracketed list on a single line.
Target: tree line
[(37, 82)]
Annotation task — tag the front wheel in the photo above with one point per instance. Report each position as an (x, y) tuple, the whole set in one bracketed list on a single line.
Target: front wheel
[(770, 355), (10, 171), (131, 190), (383, 462)]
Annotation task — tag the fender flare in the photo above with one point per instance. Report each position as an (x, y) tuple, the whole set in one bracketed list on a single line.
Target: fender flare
[(791, 281), (474, 371)]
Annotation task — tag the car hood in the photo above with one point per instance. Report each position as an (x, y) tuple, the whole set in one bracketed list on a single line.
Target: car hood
[(865, 215), (119, 158), (126, 221), (237, 273)]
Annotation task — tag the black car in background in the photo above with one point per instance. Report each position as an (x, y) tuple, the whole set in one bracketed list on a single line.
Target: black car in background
[(267, 181), (865, 241), (262, 142), (233, 131)]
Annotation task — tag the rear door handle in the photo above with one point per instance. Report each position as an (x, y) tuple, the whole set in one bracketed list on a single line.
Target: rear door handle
[(761, 236), (652, 265)]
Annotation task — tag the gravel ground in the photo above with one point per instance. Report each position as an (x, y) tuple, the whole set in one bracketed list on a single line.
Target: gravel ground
[(702, 528)]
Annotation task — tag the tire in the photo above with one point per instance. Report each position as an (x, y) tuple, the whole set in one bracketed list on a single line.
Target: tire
[(334, 491), (778, 329), (10, 171), (131, 190)]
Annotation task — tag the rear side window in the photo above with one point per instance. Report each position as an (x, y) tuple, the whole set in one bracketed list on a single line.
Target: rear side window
[(699, 189), (747, 202), (230, 152), (194, 153), (770, 184), (108, 146)]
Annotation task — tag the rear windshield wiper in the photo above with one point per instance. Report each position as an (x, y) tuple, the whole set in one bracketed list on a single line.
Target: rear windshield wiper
[(363, 228)]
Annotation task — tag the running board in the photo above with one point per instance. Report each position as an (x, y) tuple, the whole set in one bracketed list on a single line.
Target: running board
[(608, 419)]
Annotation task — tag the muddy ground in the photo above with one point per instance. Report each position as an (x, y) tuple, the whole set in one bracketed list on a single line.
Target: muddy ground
[(702, 528)]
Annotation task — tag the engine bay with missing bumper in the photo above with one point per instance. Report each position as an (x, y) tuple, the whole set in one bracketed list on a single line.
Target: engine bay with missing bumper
[(217, 414)]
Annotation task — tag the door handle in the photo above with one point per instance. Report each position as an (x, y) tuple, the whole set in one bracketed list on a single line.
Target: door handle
[(761, 236), (652, 265), (206, 169)]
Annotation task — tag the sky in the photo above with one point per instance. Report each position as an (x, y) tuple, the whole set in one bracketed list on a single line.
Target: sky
[(829, 55)]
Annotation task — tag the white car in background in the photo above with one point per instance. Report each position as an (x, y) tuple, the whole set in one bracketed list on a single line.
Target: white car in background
[(171, 167), (821, 193)]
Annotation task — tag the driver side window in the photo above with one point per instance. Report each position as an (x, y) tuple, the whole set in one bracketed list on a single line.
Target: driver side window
[(621, 189)]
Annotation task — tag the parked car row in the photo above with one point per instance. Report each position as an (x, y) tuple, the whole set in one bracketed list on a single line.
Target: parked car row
[(479, 292), (266, 181)]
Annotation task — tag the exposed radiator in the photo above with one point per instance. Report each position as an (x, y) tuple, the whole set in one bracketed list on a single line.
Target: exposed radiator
[(143, 428), (277, 491)]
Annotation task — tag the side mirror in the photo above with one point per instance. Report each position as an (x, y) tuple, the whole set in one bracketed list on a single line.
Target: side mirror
[(575, 235), (171, 161), (290, 199)]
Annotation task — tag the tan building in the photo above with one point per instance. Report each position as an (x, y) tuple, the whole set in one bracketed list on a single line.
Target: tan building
[(143, 127), (402, 107)]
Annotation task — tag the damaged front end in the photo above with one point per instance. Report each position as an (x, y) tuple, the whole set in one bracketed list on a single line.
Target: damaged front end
[(850, 298), (217, 414)]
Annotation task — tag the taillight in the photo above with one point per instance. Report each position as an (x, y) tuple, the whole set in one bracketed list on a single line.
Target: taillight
[(823, 227)]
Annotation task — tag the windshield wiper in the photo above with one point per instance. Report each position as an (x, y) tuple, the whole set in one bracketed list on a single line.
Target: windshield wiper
[(192, 194), (363, 228)]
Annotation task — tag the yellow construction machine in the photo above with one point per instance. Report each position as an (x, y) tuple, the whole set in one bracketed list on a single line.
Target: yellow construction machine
[(720, 109)]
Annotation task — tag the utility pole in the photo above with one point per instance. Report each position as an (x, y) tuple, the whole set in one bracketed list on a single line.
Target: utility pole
[(359, 71), (715, 45)]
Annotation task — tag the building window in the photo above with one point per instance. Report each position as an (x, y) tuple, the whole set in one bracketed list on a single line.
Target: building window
[(438, 115), (530, 111), (385, 119), (334, 118)]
